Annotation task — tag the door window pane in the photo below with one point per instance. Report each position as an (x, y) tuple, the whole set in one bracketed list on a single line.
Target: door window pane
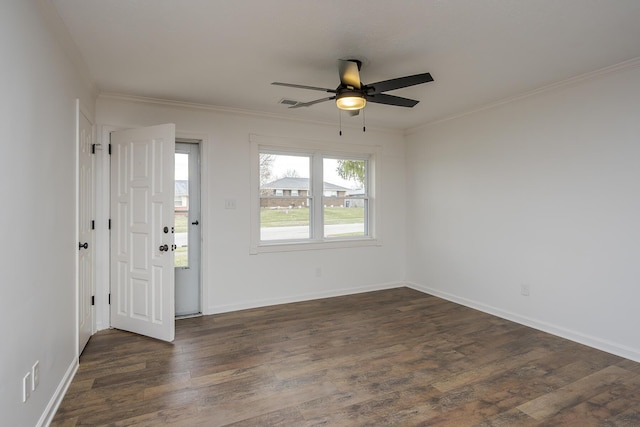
[(181, 210)]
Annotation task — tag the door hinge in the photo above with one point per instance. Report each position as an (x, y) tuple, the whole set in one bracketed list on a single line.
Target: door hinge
[(93, 224), (93, 148), (93, 300), (109, 149), (109, 223), (109, 299)]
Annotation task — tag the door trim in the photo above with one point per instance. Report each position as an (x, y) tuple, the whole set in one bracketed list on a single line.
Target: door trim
[(203, 141), (198, 143)]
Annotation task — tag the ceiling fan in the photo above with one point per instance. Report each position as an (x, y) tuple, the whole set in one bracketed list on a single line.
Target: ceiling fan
[(352, 95)]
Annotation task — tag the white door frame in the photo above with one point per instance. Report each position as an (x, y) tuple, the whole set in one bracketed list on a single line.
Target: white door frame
[(203, 141), (185, 275)]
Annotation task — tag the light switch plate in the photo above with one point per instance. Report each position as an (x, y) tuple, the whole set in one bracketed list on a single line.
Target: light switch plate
[(26, 387), (35, 375)]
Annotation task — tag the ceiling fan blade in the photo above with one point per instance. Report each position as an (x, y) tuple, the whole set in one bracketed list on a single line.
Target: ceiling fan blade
[(398, 83), (323, 89), (317, 101), (349, 73), (383, 98)]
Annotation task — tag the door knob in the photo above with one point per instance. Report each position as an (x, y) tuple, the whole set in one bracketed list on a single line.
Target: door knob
[(164, 248), (84, 245), (195, 222)]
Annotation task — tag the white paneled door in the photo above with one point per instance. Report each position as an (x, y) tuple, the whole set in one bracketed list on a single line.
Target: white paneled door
[(86, 245), (142, 239)]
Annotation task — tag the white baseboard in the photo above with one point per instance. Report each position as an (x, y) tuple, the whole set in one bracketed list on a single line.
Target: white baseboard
[(589, 340), (56, 399), (225, 308)]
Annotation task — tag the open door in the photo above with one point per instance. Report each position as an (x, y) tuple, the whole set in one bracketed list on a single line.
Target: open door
[(86, 247), (142, 257)]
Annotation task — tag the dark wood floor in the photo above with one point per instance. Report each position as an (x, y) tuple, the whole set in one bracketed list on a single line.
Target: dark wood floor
[(394, 357)]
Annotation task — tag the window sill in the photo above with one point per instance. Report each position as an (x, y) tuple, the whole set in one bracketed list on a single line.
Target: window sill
[(290, 246)]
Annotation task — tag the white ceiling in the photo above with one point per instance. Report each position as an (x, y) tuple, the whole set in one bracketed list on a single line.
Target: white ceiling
[(226, 53)]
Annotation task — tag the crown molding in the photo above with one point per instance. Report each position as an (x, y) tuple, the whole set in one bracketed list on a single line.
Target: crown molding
[(232, 111), (571, 81)]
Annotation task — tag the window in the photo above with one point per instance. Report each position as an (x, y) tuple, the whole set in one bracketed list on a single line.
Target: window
[(279, 218), (309, 197), (345, 210)]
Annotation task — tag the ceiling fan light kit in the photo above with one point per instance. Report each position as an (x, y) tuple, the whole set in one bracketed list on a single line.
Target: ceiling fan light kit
[(350, 100)]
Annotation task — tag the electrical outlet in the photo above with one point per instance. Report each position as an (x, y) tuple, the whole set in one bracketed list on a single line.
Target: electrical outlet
[(26, 387), (525, 290), (35, 375), (229, 203)]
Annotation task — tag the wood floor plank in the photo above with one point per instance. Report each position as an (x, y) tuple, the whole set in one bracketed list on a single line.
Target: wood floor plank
[(572, 394), (386, 358)]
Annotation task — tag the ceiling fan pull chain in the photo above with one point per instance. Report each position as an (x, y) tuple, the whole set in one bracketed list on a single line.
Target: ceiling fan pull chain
[(364, 123), (340, 118)]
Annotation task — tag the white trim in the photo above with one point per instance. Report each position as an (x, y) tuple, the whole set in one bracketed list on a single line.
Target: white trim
[(589, 340), (285, 246), (235, 111), (103, 281), (58, 395), (203, 142), (288, 144), (77, 229), (571, 81), (226, 308), (318, 150)]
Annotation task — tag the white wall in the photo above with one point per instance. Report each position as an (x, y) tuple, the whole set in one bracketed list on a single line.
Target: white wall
[(234, 279), (39, 86), (545, 192)]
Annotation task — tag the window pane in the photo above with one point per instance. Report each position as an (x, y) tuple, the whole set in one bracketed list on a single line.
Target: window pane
[(181, 202), (345, 200), (284, 197)]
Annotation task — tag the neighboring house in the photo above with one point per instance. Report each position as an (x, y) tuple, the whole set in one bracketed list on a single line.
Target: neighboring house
[(355, 198), (293, 192), (181, 196)]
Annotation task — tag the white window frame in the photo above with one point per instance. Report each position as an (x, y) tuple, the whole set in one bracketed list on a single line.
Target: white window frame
[(317, 151)]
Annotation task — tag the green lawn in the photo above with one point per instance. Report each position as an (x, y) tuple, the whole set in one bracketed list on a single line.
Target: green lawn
[(180, 225), (300, 216), (181, 259)]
